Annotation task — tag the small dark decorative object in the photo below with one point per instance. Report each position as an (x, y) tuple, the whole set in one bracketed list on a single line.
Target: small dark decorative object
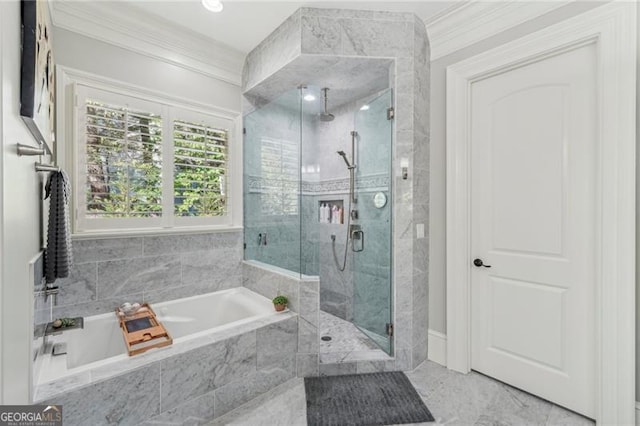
[(37, 92)]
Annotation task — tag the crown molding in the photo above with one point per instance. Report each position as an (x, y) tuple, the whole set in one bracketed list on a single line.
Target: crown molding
[(128, 27), (469, 22)]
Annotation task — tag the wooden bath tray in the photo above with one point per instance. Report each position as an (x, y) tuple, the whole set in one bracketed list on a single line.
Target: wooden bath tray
[(142, 331)]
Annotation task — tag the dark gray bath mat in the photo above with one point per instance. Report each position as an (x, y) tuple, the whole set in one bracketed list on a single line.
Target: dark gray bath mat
[(364, 399)]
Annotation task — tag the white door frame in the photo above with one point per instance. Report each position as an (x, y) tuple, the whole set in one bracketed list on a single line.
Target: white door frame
[(612, 27)]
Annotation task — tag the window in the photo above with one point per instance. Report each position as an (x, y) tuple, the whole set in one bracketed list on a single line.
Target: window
[(200, 167), (123, 162), (147, 164), (280, 173)]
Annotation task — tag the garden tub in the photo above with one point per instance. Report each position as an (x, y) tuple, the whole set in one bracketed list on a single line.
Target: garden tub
[(224, 326)]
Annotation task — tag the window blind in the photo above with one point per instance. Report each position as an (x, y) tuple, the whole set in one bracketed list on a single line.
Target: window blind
[(280, 169), (123, 162), (200, 169)]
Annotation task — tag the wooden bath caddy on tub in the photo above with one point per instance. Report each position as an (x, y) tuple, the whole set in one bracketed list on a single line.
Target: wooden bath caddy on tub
[(142, 330)]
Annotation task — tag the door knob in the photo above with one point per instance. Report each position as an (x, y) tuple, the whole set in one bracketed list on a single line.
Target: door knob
[(479, 263)]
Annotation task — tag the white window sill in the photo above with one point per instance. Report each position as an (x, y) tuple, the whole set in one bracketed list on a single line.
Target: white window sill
[(123, 233)]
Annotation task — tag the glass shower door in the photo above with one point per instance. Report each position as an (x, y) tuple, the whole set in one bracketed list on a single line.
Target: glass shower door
[(372, 301), (271, 179)]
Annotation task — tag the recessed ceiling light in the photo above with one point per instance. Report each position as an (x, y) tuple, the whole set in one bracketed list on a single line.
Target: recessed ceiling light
[(364, 107), (213, 5), (309, 97)]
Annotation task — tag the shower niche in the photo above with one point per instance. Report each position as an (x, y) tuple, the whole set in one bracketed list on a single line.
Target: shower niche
[(331, 212)]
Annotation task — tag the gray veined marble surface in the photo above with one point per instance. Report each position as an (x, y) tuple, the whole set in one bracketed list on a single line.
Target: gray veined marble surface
[(347, 342), (452, 398), (205, 345), (183, 383), (203, 370), (110, 271)]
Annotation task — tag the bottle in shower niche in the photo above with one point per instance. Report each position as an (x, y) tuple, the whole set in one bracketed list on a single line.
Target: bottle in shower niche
[(340, 215), (335, 217), (326, 214)]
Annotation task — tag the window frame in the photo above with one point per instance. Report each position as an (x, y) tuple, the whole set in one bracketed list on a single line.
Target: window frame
[(70, 149)]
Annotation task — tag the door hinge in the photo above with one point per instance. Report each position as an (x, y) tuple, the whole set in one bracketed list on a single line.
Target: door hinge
[(390, 329), (244, 246), (391, 113), (244, 130)]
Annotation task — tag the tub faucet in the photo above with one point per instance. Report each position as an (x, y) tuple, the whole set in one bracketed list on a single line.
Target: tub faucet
[(77, 322), (59, 348)]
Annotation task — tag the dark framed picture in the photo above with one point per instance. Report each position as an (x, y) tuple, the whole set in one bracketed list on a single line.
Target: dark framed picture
[(37, 88)]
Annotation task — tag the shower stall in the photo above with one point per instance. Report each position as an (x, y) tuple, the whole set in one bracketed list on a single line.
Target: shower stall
[(317, 198)]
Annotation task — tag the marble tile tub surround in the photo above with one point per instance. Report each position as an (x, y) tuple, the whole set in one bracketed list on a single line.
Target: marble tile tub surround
[(187, 383), (401, 38), (110, 271), (303, 293)]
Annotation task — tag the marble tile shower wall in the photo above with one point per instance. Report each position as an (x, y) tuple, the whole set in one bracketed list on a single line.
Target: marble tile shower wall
[(336, 288), (401, 37), (331, 183), (108, 272), (272, 151)]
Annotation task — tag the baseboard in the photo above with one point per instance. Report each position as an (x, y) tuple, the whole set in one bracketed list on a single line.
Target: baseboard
[(637, 413), (437, 347)]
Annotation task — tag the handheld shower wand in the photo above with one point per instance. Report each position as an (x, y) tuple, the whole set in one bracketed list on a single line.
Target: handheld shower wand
[(352, 232), (344, 157)]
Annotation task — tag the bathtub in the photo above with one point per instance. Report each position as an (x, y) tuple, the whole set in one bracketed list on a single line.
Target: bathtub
[(98, 352)]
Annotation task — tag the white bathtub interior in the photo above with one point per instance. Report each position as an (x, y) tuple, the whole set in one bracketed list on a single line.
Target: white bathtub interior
[(100, 342)]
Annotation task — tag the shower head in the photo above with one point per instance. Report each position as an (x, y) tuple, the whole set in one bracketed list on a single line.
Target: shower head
[(344, 157), (325, 115)]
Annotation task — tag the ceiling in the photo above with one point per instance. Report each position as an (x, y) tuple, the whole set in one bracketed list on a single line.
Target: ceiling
[(243, 24)]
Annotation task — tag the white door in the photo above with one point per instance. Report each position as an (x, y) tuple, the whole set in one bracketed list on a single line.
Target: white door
[(533, 185)]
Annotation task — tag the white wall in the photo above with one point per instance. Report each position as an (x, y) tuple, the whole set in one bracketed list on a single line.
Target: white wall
[(87, 54), (20, 221), (437, 266)]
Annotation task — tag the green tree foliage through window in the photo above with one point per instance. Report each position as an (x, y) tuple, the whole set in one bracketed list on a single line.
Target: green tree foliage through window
[(200, 167), (124, 162)]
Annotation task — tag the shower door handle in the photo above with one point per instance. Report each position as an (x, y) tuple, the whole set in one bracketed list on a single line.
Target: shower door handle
[(357, 235)]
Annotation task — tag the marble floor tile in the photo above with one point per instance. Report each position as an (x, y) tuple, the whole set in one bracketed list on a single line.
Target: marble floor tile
[(452, 398), (282, 406), (561, 417), (347, 342)]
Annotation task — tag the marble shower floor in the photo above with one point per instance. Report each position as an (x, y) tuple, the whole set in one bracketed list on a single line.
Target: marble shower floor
[(347, 342), (453, 398)]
